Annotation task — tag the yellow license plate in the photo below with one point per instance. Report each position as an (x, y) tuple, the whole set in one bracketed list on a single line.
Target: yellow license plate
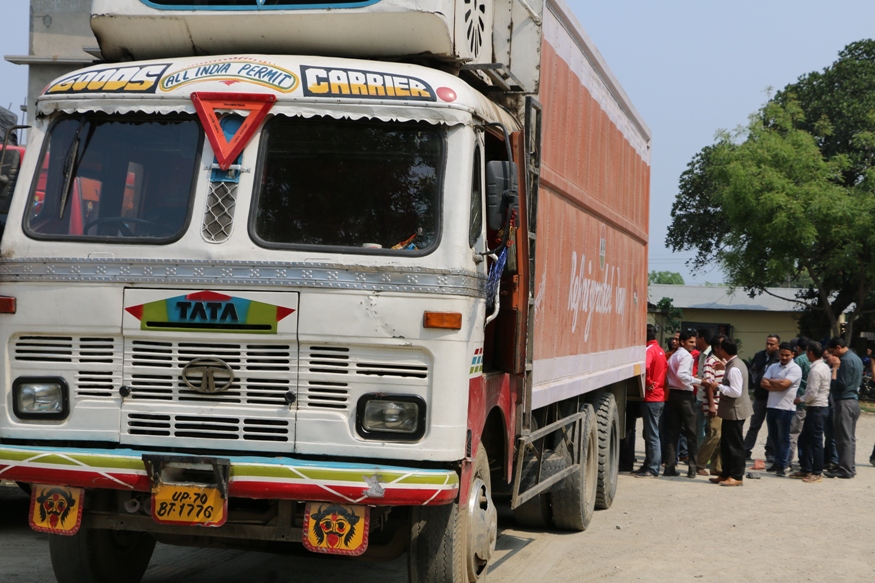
[(336, 529), (188, 504), (56, 509)]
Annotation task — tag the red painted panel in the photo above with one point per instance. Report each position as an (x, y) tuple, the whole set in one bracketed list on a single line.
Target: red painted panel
[(237, 488), (594, 185)]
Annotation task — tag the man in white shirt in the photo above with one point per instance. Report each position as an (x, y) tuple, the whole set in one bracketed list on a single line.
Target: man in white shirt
[(680, 409), (816, 401), (782, 381)]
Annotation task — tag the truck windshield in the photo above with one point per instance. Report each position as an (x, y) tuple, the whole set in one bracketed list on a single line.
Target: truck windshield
[(360, 185), (115, 178)]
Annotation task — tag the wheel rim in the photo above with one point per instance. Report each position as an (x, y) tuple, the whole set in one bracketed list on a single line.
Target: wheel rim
[(482, 527)]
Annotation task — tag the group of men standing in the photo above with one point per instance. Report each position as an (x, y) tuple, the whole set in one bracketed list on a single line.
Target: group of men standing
[(808, 392), (671, 390), (803, 393)]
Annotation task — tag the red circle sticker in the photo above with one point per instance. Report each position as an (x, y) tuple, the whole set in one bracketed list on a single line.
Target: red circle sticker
[(446, 94)]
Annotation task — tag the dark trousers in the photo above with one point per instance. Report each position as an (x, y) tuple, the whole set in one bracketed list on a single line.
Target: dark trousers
[(681, 411), (830, 455), (681, 451), (845, 415), (779, 421), (756, 422), (627, 444), (663, 437), (732, 454), (811, 440)]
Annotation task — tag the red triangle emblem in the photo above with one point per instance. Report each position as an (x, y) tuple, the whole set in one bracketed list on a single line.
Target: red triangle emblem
[(206, 104)]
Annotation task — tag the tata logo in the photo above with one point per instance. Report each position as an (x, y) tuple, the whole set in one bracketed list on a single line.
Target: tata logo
[(210, 311), (214, 312), (208, 375)]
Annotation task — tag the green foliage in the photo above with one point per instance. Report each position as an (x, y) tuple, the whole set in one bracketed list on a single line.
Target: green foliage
[(665, 278), (671, 316), (791, 196)]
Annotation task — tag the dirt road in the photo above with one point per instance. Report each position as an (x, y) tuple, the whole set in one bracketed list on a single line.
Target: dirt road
[(670, 529)]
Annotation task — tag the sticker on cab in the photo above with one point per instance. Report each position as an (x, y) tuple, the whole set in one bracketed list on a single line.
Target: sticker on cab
[(136, 79), (355, 84), (230, 72), (56, 509), (336, 529), (209, 311)]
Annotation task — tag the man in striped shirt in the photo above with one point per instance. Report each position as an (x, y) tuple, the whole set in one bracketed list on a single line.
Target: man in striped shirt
[(709, 449)]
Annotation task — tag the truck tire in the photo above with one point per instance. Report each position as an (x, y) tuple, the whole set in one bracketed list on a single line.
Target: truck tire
[(101, 556), (608, 417), (574, 500), (536, 513), (453, 543)]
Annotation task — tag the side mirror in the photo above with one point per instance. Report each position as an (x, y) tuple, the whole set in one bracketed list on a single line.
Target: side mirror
[(501, 192)]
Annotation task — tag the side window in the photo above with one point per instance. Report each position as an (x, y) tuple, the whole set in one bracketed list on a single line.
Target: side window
[(476, 228)]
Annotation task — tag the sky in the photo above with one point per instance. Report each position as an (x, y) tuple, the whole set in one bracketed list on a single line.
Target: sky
[(691, 68), (14, 41)]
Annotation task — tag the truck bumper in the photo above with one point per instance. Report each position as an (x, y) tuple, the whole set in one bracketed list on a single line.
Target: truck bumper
[(278, 478)]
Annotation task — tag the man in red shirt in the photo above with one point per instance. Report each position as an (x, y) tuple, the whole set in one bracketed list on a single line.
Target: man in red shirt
[(654, 402)]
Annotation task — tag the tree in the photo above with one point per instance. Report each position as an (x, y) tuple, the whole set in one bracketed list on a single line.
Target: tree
[(665, 278), (671, 316), (791, 196)]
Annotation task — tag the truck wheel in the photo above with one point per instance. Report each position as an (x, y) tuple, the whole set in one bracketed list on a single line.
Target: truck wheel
[(454, 542), (101, 556), (535, 512), (574, 500), (609, 449)]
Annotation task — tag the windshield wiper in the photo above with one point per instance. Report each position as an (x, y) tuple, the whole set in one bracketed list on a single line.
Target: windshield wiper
[(71, 163)]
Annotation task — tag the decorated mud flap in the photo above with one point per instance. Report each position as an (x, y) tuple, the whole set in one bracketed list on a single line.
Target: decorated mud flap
[(336, 529), (186, 490), (56, 509)]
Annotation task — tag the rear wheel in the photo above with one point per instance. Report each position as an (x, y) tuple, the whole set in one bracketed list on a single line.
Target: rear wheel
[(454, 542), (101, 556), (535, 512), (574, 500), (608, 418)]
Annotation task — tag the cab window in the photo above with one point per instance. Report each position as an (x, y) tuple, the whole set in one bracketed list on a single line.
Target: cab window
[(115, 178)]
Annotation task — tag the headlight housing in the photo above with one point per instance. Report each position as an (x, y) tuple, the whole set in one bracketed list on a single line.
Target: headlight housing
[(391, 417), (40, 398)]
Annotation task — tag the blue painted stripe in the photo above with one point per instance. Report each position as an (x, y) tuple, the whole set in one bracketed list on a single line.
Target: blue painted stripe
[(264, 461)]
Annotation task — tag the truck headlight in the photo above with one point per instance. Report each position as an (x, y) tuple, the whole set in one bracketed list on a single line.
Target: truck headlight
[(391, 417), (40, 398)]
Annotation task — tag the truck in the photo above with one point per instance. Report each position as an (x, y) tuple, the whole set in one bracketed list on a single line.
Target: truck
[(344, 275)]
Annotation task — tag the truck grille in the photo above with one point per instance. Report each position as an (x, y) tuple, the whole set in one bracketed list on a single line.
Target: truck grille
[(328, 375), (263, 373), (207, 427), (95, 361)]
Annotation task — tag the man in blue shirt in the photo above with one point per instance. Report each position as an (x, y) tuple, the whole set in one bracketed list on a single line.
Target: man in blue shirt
[(847, 375)]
